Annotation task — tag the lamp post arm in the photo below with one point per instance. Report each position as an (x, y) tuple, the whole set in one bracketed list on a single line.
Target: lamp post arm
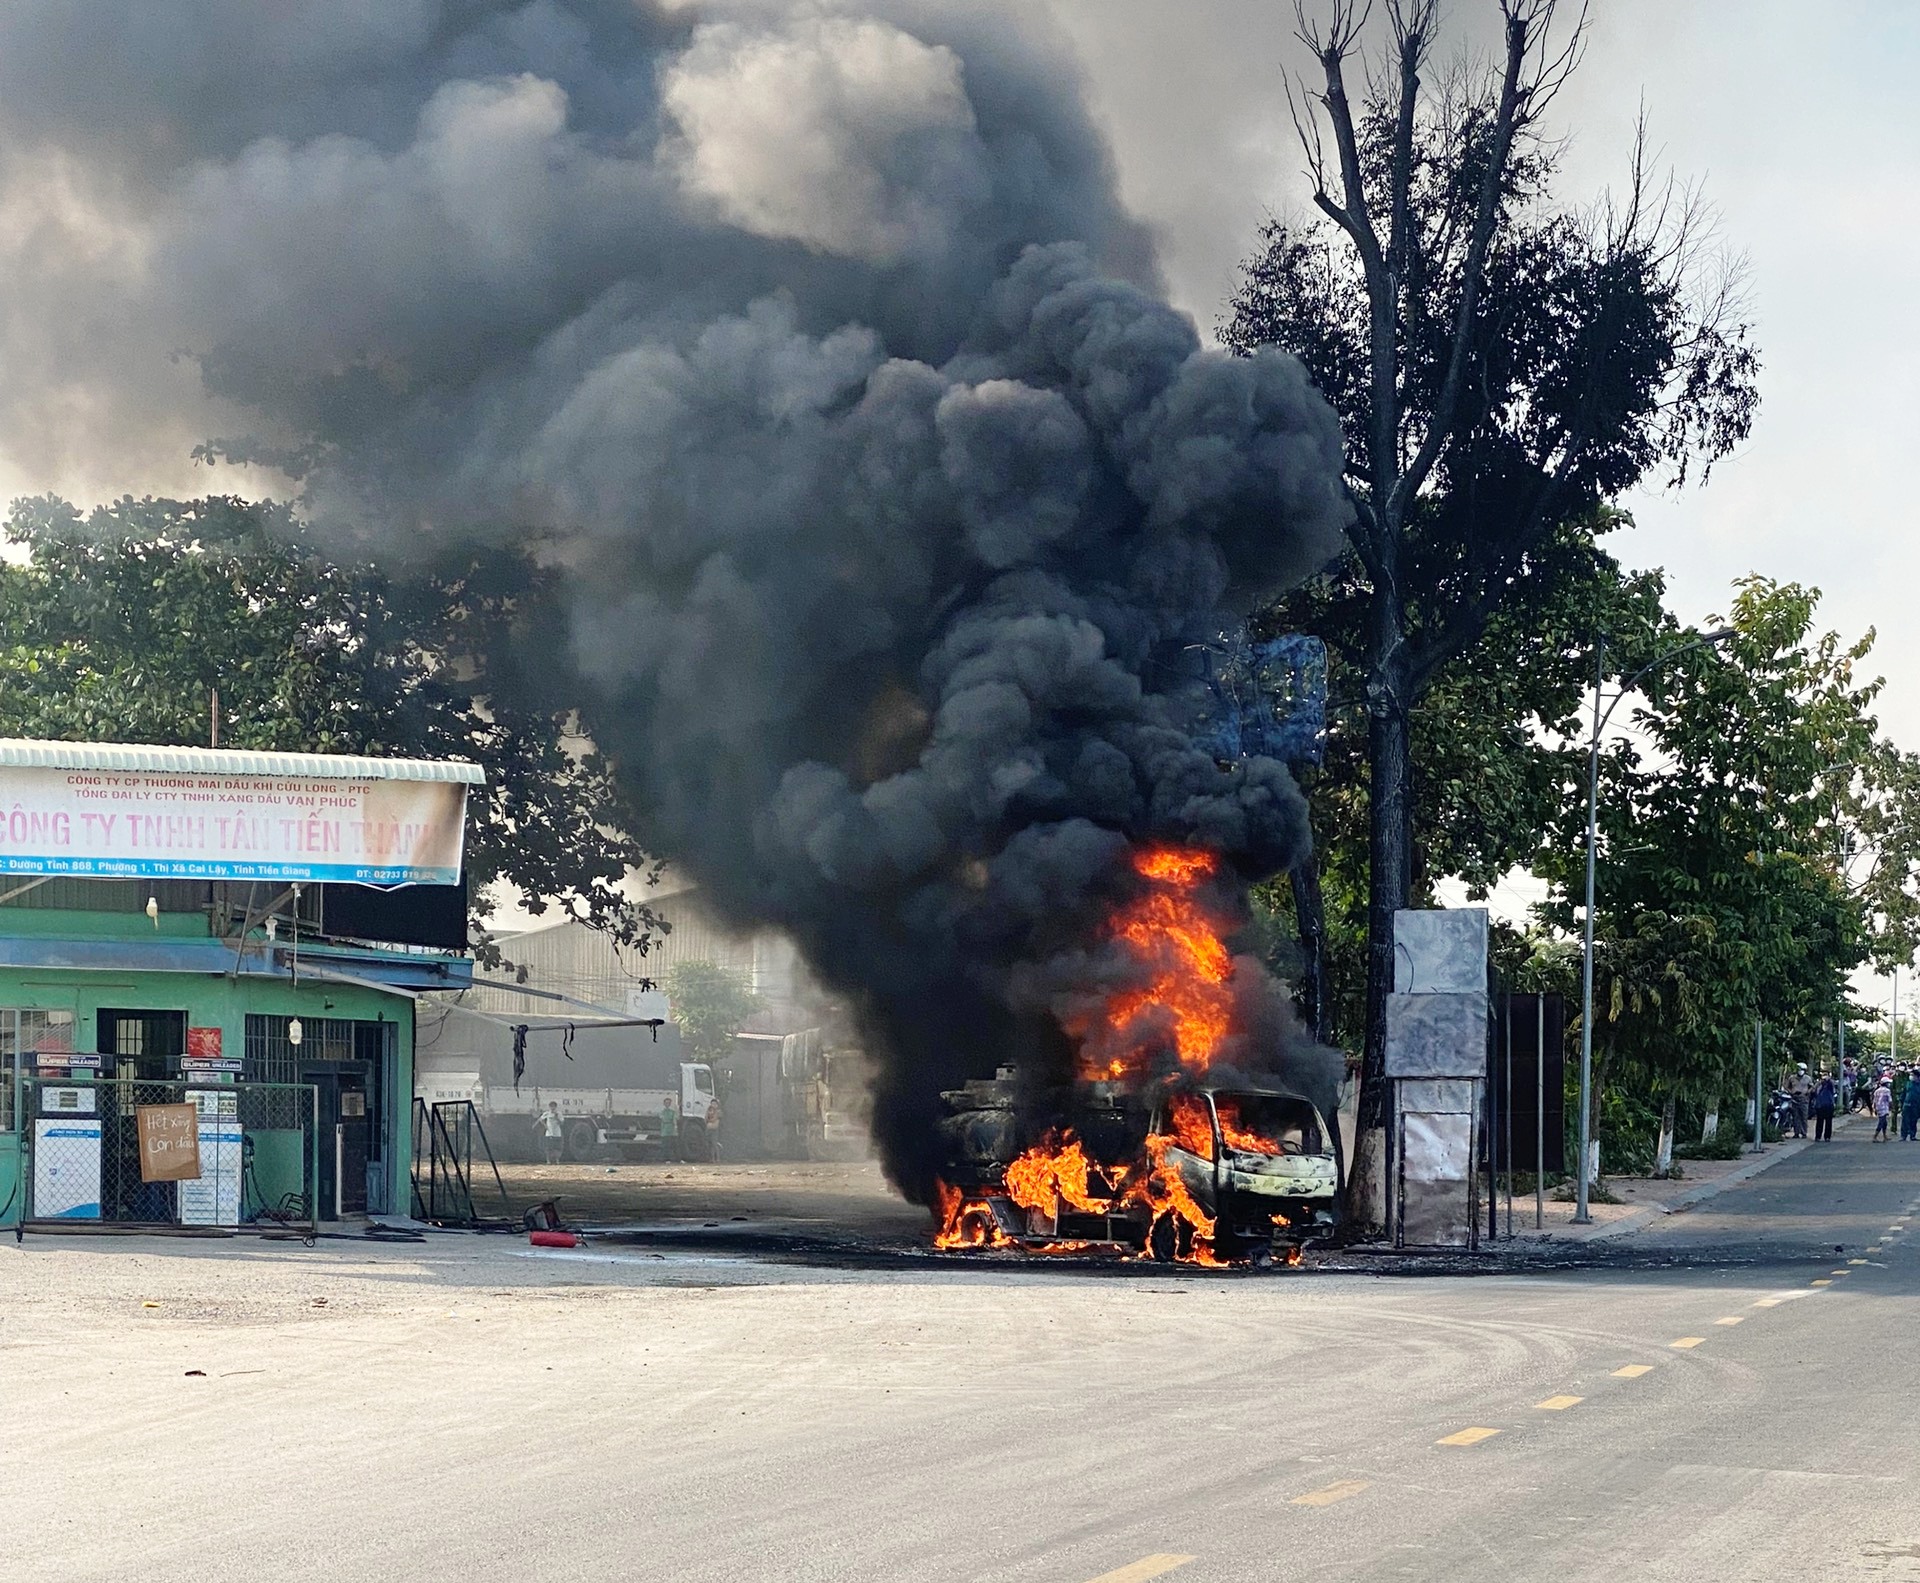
[(1707, 640)]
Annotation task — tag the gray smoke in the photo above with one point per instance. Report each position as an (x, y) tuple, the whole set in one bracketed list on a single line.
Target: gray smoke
[(813, 341)]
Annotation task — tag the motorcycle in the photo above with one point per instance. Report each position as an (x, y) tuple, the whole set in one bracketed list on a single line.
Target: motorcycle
[(1780, 1112)]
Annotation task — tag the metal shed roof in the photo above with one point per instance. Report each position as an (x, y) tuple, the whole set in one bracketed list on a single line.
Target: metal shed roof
[(23, 753)]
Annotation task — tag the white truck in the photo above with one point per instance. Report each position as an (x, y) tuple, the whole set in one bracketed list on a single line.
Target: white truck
[(614, 1089)]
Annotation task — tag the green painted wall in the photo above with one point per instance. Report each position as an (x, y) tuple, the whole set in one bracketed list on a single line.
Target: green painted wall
[(209, 1000)]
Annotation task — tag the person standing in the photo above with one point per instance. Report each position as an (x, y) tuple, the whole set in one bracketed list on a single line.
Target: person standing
[(1823, 1098), (551, 1130), (1882, 1108), (1910, 1110)]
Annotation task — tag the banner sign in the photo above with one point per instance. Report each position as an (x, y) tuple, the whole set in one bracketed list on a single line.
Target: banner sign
[(165, 824)]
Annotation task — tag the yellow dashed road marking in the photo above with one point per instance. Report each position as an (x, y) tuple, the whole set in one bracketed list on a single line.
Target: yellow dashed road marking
[(1467, 1437), (1558, 1404), (1856, 1261), (1874, 1249), (1769, 1302), (1146, 1567), (1822, 1283), (1633, 1371), (1346, 1489), (1731, 1319), (1686, 1343)]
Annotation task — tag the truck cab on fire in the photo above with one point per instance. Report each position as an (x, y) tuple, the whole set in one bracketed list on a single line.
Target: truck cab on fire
[(1260, 1162)]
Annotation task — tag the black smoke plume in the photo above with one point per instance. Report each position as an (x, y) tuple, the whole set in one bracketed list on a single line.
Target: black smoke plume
[(813, 340)]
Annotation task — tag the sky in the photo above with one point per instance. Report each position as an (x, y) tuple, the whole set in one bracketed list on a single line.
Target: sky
[(1802, 123), (1799, 120)]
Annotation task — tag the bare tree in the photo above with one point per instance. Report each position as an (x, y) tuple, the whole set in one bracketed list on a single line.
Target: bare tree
[(1499, 369)]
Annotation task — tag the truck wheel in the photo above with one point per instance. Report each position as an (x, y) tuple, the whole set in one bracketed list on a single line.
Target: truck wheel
[(695, 1144), (583, 1140)]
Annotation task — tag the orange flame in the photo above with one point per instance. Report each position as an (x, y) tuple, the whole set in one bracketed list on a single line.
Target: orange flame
[(1187, 995), (1192, 1126), (1184, 999), (1240, 1137), (1055, 1169), (965, 1222)]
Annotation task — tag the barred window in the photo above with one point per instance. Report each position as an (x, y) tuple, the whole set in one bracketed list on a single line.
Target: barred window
[(24, 1034), (272, 1056)]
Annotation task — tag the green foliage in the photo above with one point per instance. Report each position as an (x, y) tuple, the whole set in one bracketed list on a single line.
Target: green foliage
[(1504, 367), (1726, 1144), (711, 1004), (121, 623), (1491, 768), (1720, 890)]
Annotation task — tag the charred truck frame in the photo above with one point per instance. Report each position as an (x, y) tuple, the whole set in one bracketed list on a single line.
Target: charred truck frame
[(1202, 1173)]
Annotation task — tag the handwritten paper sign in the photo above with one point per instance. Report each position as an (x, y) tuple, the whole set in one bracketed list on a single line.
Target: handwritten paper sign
[(169, 1143)]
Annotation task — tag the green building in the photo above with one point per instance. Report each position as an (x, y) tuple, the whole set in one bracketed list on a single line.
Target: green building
[(228, 937)]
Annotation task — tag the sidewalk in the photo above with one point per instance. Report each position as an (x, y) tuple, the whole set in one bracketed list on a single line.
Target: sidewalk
[(1645, 1199)]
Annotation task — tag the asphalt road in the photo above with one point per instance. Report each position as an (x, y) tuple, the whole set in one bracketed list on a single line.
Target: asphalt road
[(1729, 1398)]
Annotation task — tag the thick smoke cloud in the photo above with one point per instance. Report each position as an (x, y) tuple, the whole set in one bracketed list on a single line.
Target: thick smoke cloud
[(814, 341)]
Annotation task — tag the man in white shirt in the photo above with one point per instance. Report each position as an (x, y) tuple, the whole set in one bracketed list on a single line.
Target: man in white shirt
[(548, 1121)]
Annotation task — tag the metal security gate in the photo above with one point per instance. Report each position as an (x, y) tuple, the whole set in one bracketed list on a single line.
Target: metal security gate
[(168, 1156)]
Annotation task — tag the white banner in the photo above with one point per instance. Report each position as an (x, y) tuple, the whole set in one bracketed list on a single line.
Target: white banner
[(164, 824)]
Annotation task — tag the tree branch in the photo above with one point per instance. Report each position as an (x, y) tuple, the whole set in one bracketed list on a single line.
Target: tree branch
[(1507, 117)]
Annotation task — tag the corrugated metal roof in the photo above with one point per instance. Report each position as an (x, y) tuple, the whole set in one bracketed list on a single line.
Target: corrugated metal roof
[(20, 752)]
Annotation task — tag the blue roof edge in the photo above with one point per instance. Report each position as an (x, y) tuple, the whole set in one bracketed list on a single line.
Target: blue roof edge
[(408, 972)]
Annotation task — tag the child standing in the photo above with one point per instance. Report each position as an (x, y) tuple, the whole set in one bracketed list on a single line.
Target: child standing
[(1882, 1108)]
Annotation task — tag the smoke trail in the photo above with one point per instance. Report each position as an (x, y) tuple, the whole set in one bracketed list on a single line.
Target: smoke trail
[(815, 341)]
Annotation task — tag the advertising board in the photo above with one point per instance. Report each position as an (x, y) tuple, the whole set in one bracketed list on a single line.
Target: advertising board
[(165, 824)]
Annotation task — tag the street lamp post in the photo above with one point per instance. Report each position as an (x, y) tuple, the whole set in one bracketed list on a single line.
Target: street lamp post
[(1581, 1214)]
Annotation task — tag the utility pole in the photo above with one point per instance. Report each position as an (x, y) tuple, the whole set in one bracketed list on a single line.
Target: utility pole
[(1581, 1215), (1759, 1095)]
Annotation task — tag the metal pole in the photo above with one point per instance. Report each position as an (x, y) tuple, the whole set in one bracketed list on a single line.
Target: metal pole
[(1540, 1111), (1580, 1215), (1840, 1098), (313, 1198), (1759, 1099), (339, 1162), (1507, 1111), (1493, 1146)]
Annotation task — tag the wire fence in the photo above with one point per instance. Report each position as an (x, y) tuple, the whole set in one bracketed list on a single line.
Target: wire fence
[(169, 1156)]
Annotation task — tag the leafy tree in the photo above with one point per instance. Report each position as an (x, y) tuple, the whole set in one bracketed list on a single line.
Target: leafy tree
[(1723, 892), (1502, 367), (1489, 761), (120, 625), (711, 1004)]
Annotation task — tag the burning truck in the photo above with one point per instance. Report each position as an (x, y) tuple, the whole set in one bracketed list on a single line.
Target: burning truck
[(1155, 1146)]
